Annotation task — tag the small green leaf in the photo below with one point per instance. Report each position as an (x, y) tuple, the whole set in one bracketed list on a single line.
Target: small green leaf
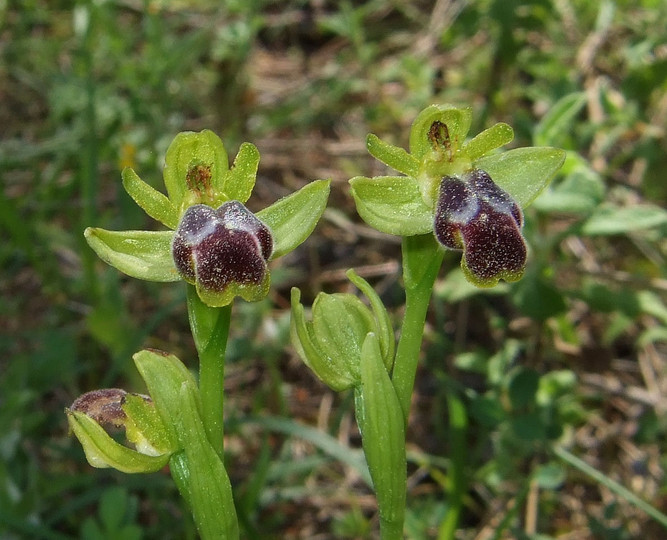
[(102, 451), (457, 121), (557, 123), (140, 254), (209, 490), (392, 204), (154, 203), (496, 136), (397, 158), (523, 172), (239, 181), (293, 218), (164, 374), (187, 150), (383, 433), (610, 219)]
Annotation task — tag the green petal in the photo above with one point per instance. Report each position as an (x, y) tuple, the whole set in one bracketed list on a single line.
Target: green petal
[(523, 172), (481, 144), (293, 218), (140, 254), (397, 158), (187, 150), (102, 451), (457, 121), (239, 181), (154, 203), (392, 204)]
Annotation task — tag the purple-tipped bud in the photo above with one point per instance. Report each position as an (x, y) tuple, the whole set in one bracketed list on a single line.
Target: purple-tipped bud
[(475, 215), (224, 251)]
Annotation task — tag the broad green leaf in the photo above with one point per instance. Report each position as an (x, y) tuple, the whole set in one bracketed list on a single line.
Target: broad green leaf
[(557, 123), (102, 451), (496, 136), (523, 172), (392, 204), (397, 158), (139, 254), (154, 203), (187, 150), (293, 218), (207, 483), (610, 219), (457, 121), (239, 181), (383, 433)]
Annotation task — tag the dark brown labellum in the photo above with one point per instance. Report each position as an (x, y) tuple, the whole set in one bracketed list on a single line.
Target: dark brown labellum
[(475, 215), (214, 248)]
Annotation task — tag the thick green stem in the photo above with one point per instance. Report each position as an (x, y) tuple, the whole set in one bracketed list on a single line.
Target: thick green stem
[(421, 262), (210, 329)]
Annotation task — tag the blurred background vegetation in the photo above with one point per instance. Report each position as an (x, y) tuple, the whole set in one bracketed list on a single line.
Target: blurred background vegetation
[(574, 356)]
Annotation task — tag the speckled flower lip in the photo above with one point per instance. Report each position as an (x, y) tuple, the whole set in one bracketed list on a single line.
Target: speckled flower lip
[(475, 215), (216, 248)]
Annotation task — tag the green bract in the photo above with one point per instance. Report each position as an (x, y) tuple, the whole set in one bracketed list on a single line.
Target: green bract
[(197, 174), (332, 342), (408, 205)]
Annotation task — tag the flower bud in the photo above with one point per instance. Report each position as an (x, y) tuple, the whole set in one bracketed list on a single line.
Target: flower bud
[(331, 343), (475, 215), (223, 252), (93, 411)]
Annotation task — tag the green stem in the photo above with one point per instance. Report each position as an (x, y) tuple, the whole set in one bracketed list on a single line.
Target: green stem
[(210, 330), (421, 262), (456, 483)]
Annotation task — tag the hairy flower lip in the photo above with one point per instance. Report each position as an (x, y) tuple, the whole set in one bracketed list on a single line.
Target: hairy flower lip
[(473, 214), (216, 247)]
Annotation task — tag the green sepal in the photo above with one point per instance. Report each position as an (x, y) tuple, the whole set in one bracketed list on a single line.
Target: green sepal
[(102, 451), (340, 324), (392, 204), (384, 329), (380, 420), (456, 119), (292, 218), (144, 427), (140, 254), (187, 150), (200, 472), (249, 292), (154, 203), (239, 181), (523, 172), (303, 339), (395, 157), (164, 374), (494, 137)]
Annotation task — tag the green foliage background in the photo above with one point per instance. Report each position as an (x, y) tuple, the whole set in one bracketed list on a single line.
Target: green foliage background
[(574, 355)]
